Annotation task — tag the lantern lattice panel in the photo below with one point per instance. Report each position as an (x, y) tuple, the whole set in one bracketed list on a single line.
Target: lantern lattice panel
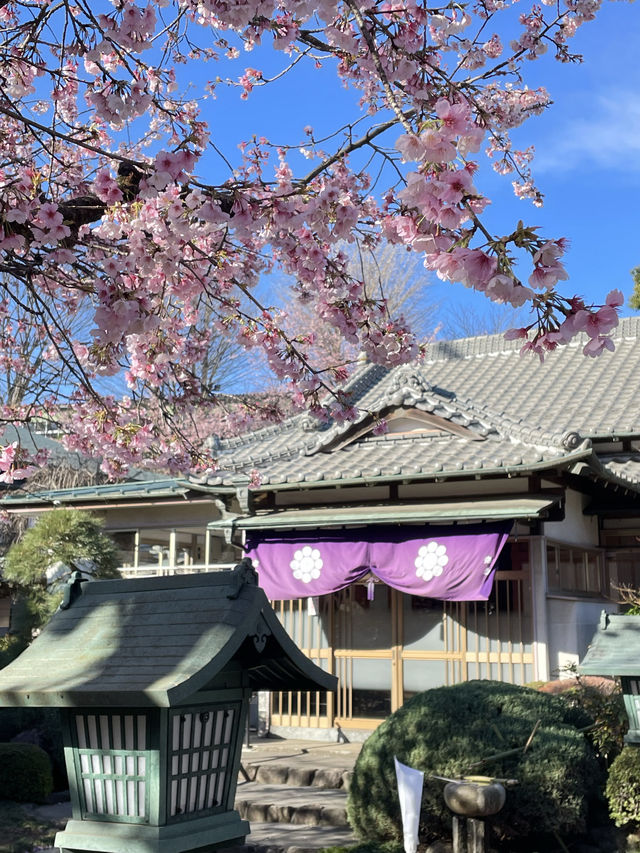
[(202, 746), (112, 752)]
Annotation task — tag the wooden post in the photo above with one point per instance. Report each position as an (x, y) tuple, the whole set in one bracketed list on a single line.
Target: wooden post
[(136, 549), (458, 834), (207, 547), (172, 552)]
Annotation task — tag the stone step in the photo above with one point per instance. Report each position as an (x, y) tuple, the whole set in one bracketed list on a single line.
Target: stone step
[(282, 773), (293, 838), (299, 806)]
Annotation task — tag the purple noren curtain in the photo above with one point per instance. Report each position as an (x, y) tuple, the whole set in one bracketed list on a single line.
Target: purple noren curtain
[(449, 563)]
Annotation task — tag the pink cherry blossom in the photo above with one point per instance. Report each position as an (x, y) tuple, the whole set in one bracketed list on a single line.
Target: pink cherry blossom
[(597, 345), (106, 187), (139, 240), (596, 323)]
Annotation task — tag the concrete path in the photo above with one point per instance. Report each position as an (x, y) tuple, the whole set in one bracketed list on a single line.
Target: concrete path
[(301, 754), (291, 838)]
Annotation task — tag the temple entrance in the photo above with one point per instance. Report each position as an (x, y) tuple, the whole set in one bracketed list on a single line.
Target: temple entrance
[(385, 645)]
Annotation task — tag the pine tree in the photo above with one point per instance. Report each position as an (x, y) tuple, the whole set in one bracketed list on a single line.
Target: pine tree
[(62, 541)]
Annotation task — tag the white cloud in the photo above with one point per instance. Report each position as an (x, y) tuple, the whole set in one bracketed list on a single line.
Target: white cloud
[(609, 137)]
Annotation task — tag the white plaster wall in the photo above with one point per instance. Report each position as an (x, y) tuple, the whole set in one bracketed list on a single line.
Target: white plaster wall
[(571, 625), (564, 626), (568, 623), (576, 528)]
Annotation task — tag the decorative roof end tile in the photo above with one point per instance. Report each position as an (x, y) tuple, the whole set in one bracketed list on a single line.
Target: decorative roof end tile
[(571, 440)]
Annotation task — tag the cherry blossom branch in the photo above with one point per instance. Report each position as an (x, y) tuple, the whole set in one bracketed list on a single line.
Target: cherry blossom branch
[(352, 146), (391, 97), (162, 261)]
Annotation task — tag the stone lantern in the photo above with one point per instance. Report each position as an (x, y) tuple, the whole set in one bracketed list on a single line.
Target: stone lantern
[(615, 652), (153, 677)]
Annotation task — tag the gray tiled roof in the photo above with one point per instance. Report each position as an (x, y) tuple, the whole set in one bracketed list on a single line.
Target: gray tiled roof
[(32, 441), (518, 415), (129, 490), (624, 465), (613, 651), (568, 391)]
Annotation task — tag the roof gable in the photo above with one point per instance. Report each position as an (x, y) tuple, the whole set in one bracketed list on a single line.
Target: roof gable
[(408, 404), (471, 407), (399, 422)]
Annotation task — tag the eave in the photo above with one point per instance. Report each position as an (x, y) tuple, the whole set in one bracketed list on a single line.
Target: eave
[(521, 507), (139, 494)]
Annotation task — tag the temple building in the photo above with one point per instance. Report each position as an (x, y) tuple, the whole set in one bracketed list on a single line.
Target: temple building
[(471, 522)]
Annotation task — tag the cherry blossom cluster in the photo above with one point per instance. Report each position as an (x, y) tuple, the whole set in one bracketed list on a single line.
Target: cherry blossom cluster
[(16, 465), (121, 263)]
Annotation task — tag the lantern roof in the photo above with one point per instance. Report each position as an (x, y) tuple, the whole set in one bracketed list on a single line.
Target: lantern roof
[(159, 641), (615, 647)]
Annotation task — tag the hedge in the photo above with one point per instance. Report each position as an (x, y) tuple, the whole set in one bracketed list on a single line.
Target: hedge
[(25, 773)]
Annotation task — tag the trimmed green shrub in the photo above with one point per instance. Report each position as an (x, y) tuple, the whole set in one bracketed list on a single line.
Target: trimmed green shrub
[(25, 773), (44, 725), (623, 788), (461, 730)]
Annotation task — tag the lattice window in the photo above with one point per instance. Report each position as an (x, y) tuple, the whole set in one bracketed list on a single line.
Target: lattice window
[(201, 758), (575, 571), (113, 759)]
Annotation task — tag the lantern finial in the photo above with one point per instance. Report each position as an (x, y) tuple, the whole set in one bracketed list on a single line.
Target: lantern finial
[(244, 573), (72, 589)]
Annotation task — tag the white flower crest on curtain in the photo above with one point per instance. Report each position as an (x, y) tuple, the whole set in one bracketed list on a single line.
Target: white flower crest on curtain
[(431, 560), (306, 564)]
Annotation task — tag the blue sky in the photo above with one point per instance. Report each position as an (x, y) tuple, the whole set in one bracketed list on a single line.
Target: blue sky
[(588, 153), (587, 147)]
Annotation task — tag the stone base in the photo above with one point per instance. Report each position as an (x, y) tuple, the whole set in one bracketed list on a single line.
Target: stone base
[(189, 836), (333, 734)]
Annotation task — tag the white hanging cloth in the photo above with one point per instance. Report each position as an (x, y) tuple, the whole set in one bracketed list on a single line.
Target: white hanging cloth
[(410, 782)]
